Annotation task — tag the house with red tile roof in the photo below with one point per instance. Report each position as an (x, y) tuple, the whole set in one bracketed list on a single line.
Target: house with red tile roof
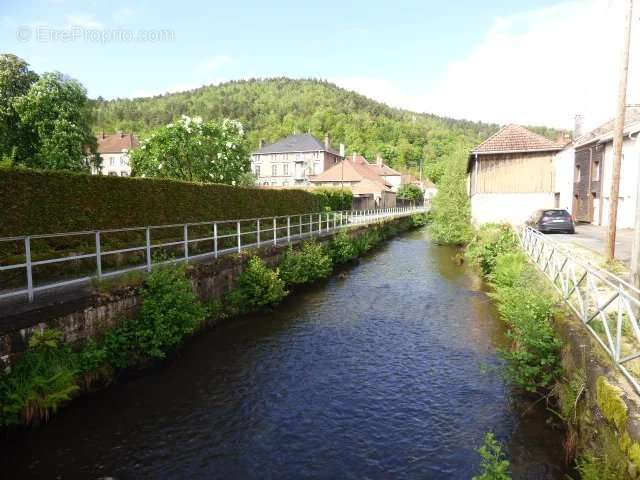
[(367, 181), (511, 174), (114, 150)]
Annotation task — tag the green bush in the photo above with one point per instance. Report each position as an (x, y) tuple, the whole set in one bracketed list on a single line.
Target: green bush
[(40, 382), (56, 201), (334, 199), (526, 305), (342, 249), (310, 263), (258, 286), (419, 220), (491, 241), (494, 464), (170, 311)]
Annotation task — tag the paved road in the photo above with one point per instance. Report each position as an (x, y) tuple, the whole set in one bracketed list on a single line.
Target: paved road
[(594, 237)]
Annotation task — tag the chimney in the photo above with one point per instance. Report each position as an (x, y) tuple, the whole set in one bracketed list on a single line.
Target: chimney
[(379, 160), (261, 143), (578, 126), (103, 135), (342, 150), (326, 141)]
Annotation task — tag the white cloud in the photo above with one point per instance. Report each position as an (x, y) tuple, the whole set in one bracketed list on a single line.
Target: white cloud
[(214, 63), (84, 21), (540, 67), (537, 67)]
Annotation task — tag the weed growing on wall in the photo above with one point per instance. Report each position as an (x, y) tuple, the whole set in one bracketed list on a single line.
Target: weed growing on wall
[(310, 263), (42, 381), (342, 249), (494, 465)]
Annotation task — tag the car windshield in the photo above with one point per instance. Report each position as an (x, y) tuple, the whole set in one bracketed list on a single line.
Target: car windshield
[(555, 213)]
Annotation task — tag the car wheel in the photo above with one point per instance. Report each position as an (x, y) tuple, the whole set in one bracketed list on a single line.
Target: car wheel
[(572, 231)]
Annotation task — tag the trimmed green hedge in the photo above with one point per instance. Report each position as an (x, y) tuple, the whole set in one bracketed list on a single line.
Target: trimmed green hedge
[(33, 202)]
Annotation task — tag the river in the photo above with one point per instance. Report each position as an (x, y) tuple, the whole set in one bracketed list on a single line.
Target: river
[(388, 370)]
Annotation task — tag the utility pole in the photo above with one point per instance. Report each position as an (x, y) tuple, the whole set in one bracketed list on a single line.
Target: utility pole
[(618, 135)]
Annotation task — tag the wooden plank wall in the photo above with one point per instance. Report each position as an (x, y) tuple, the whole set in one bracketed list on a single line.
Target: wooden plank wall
[(515, 173)]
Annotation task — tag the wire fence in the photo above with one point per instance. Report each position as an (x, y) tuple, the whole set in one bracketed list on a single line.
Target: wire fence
[(36, 263), (607, 305)]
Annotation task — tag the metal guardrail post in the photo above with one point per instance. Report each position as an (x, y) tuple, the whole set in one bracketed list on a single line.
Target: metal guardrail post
[(300, 226), (319, 224), (239, 238), (258, 232), (98, 256), (215, 240), (288, 229), (275, 231), (148, 238), (27, 254), (186, 242)]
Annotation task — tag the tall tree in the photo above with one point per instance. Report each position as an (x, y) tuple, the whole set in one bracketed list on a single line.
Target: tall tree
[(16, 141), (56, 109), (193, 150)]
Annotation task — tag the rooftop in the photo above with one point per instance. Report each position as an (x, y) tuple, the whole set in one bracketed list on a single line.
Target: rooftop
[(604, 132), (513, 139), (303, 142), (117, 142)]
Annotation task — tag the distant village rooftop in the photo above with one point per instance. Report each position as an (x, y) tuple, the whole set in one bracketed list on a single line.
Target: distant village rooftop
[(604, 133), (303, 142), (117, 142), (516, 139)]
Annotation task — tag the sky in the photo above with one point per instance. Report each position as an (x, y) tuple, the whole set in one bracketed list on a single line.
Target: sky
[(534, 62)]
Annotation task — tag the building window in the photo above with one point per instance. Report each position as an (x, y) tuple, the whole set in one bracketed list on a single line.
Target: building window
[(316, 168), (112, 162), (285, 169), (596, 171), (124, 174), (257, 170), (274, 170), (577, 174), (298, 157), (113, 174)]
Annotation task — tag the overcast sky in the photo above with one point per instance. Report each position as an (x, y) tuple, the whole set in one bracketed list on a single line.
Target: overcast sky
[(530, 61)]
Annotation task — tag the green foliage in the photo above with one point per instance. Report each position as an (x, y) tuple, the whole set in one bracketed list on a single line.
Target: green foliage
[(46, 202), (342, 249), (595, 468), (170, 311), (39, 383), (334, 199), (489, 243), (451, 212), (494, 464), (56, 110), (274, 108), (419, 220), (410, 193), (310, 263), (525, 303), (258, 286), (16, 141), (193, 150)]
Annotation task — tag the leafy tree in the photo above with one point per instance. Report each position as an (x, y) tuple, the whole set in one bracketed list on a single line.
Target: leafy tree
[(451, 212), (193, 150), (410, 192), (16, 141), (56, 110)]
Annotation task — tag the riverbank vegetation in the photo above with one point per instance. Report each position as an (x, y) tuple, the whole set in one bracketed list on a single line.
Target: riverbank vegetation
[(51, 372), (525, 303), (494, 464)]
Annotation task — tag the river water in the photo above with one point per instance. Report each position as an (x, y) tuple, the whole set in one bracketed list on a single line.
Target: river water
[(388, 370)]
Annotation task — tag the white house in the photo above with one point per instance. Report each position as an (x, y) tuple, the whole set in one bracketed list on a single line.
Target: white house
[(114, 149), (294, 160)]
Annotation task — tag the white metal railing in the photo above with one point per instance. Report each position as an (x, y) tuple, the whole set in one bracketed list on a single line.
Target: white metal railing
[(222, 237), (607, 305)]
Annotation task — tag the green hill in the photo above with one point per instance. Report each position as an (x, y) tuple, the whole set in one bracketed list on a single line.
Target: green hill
[(273, 108)]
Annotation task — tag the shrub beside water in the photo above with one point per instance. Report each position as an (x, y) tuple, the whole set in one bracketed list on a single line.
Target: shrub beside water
[(494, 465), (525, 303), (306, 265), (258, 286), (342, 249)]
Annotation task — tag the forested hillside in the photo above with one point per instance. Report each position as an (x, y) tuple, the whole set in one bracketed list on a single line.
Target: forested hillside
[(271, 109)]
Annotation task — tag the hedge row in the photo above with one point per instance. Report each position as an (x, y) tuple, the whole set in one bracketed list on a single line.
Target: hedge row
[(33, 202)]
